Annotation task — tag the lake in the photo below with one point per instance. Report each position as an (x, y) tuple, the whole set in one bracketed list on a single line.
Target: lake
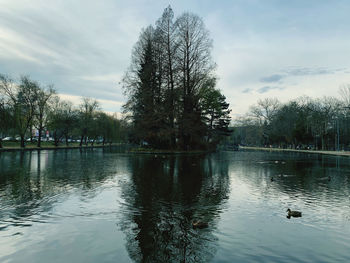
[(105, 205)]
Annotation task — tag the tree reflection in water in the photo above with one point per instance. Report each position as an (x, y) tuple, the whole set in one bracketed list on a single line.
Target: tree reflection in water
[(165, 194), (31, 183)]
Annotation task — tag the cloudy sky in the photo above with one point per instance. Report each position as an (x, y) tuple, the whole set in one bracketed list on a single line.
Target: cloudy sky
[(262, 48)]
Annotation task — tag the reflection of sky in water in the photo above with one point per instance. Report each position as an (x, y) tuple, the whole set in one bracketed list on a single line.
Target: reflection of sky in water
[(255, 224), (39, 161), (61, 213), (105, 206)]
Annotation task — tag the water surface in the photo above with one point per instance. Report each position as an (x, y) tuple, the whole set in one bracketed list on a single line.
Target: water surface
[(100, 205)]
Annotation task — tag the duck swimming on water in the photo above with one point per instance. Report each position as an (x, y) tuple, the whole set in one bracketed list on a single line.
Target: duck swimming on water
[(199, 224), (293, 213)]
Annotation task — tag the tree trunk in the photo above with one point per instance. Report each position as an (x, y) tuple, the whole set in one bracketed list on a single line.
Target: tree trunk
[(56, 139), (0, 143), (322, 143), (172, 110), (22, 141), (39, 139), (81, 141), (31, 133)]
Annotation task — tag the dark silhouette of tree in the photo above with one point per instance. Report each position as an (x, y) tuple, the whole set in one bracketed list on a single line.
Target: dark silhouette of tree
[(301, 123), (215, 111), (193, 56), (5, 119), (42, 103), (87, 111), (170, 65), (21, 99), (166, 36)]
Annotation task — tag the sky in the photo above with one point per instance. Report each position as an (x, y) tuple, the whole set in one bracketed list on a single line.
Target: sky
[(262, 48)]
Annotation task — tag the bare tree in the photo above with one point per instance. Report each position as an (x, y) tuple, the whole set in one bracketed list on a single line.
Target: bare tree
[(88, 108), (344, 92), (42, 98), (170, 65), (265, 110), (322, 114), (7, 87), (166, 36), (195, 67), (22, 99)]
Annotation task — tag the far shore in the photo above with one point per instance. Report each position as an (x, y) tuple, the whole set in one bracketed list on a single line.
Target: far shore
[(53, 147), (158, 151), (338, 153), (76, 146)]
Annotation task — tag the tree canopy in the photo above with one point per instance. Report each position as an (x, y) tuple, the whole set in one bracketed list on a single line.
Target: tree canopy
[(173, 101)]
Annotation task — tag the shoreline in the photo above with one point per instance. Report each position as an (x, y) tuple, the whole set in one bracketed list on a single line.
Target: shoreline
[(336, 153), (31, 148), (167, 152), (136, 151)]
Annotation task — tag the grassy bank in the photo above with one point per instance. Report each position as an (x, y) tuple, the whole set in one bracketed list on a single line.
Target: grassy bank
[(338, 153)]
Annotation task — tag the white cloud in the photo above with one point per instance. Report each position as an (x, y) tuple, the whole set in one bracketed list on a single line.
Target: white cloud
[(114, 78), (84, 47), (107, 105)]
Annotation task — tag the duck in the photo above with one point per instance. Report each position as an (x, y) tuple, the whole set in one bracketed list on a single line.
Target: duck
[(293, 213), (199, 224), (325, 179)]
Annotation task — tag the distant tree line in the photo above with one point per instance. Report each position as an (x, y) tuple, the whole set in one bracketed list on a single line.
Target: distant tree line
[(173, 101), (27, 105), (305, 123)]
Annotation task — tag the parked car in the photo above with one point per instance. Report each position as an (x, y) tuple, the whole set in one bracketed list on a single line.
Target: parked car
[(33, 139), (7, 139)]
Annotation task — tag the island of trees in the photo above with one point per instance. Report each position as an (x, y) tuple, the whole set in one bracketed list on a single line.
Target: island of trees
[(173, 102)]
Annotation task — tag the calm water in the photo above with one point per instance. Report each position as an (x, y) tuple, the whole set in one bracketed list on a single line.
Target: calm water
[(107, 206)]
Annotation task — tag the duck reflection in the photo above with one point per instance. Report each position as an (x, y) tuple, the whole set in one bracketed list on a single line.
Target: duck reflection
[(163, 198)]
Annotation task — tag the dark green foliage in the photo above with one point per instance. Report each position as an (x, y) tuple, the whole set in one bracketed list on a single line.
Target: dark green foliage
[(216, 112)]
